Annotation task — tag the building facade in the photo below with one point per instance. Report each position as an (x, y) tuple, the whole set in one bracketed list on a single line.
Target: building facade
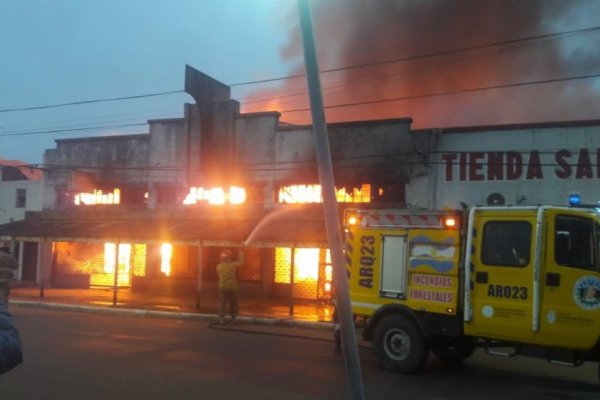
[(153, 211), (21, 189), (527, 164)]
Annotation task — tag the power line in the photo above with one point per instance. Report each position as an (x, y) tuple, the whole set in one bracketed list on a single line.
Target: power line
[(139, 96), (337, 69), (31, 125), (66, 127), (459, 91), (306, 166), (428, 55), (72, 130), (309, 163), (345, 84), (450, 92)]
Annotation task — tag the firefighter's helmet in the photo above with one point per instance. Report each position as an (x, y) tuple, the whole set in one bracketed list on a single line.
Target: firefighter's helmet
[(226, 255)]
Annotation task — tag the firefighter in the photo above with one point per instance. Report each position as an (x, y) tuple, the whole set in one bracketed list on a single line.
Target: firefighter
[(227, 271), (11, 353), (8, 264)]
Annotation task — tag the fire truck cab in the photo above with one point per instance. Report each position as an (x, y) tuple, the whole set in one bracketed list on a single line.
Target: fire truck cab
[(513, 280)]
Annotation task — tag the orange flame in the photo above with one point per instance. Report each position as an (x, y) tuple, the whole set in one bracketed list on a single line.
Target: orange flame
[(98, 197), (312, 194), (215, 196)]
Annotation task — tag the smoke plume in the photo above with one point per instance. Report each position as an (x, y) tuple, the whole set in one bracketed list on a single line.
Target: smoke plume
[(439, 87)]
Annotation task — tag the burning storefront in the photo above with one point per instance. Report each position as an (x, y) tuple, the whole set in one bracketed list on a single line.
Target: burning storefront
[(153, 211)]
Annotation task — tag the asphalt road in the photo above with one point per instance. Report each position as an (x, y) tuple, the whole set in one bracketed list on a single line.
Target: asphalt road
[(71, 355)]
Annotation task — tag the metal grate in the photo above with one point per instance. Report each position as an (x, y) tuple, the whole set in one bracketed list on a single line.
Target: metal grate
[(250, 271), (312, 277), (183, 262), (81, 265)]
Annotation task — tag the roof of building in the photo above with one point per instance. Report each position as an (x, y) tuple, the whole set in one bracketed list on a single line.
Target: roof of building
[(286, 227), (32, 174), (288, 126), (105, 137), (507, 127)]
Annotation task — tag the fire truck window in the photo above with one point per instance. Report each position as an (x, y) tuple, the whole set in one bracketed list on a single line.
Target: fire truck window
[(574, 243), (506, 243)]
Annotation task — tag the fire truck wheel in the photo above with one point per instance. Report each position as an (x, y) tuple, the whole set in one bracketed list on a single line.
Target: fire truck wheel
[(453, 352), (399, 344)]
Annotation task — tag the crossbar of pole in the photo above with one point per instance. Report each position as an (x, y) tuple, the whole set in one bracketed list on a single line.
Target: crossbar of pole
[(332, 222)]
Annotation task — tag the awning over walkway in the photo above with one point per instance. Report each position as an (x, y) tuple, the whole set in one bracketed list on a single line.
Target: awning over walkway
[(292, 226)]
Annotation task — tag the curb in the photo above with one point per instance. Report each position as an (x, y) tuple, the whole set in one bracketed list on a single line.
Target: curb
[(136, 312)]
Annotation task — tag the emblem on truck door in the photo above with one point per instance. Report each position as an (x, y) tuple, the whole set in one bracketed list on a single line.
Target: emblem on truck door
[(586, 292)]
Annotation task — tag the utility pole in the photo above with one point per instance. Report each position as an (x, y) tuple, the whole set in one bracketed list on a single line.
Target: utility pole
[(332, 222)]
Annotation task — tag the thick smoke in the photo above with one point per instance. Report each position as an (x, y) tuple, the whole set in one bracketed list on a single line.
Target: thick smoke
[(359, 32)]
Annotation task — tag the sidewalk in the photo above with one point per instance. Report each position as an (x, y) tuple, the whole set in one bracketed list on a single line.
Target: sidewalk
[(304, 314)]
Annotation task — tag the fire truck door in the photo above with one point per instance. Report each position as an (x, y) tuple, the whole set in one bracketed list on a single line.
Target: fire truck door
[(570, 305), (502, 276), (393, 266)]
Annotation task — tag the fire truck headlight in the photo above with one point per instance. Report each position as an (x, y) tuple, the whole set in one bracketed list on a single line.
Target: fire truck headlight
[(450, 222), (574, 199), (352, 220)]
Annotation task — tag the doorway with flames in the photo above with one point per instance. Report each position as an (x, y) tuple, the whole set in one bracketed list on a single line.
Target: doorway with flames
[(98, 265), (306, 272)]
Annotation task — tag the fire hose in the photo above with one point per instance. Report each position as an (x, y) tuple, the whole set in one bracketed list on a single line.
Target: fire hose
[(239, 328)]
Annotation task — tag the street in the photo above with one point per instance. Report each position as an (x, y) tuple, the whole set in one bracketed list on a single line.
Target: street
[(71, 355)]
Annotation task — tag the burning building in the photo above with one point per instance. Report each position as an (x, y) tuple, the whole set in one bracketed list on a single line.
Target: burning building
[(152, 211)]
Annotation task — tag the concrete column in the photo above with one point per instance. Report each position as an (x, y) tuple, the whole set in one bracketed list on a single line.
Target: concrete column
[(152, 196), (44, 264), (199, 264), (269, 195), (20, 270)]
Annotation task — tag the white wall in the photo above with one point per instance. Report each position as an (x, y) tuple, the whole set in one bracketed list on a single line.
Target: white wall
[(533, 166), (8, 197)]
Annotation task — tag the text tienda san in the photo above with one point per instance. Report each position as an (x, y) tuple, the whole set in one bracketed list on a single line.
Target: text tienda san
[(514, 165)]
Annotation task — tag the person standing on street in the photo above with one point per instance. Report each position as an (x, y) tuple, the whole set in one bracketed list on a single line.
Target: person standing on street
[(227, 271), (8, 264), (11, 353)]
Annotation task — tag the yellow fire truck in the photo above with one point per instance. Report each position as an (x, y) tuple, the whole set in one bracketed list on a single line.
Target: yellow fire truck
[(513, 280)]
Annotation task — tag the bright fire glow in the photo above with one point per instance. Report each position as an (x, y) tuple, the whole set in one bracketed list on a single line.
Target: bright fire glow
[(166, 252), (98, 261), (237, 195), (98, 197), (307, 264), (124, 260), (328, 273), (312, 194), (312, 271), (215, 196)]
